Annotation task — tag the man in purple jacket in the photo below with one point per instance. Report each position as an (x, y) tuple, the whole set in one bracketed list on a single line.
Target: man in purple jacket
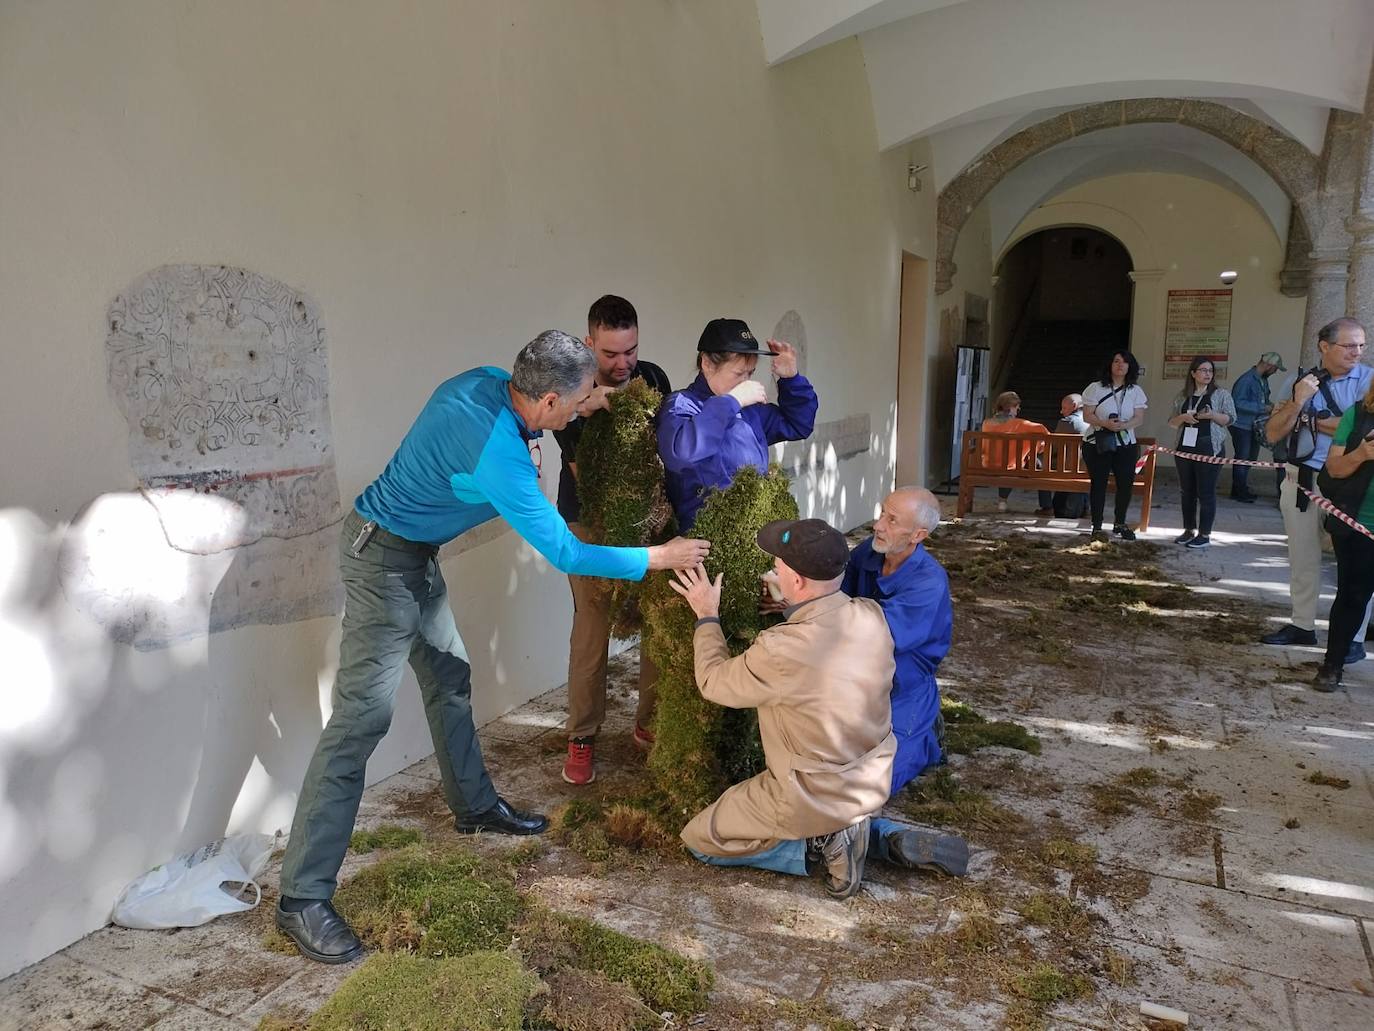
[(723, 421)]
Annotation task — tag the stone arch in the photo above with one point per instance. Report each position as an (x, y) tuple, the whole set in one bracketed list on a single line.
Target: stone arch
[(1290, 164), (1117, 224)]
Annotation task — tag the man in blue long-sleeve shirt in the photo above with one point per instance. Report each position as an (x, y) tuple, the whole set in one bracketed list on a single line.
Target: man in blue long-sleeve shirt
[(472, 454), (895, 570), (1250, 392)]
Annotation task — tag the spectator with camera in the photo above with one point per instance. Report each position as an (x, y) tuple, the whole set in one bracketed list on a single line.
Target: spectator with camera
[(1114, 405), (1347, 481), (1307, 421), (1201, 411)]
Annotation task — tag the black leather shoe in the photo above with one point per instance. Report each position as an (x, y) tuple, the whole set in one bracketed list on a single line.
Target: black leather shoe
[(1355, 654), (1290, 635), (1327, 679), (320, 933), (502, 818)]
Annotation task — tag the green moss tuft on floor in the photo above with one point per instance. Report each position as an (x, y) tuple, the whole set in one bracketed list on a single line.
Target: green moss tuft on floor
[(433, 902), (388, 836), (583, 1000), (663, 979), (966, 731), (482, 991)]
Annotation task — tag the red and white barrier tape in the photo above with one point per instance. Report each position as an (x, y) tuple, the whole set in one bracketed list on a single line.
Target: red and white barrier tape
[(1321, 502)]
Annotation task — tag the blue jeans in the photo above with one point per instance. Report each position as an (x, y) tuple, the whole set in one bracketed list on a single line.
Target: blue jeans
[(784, 857)]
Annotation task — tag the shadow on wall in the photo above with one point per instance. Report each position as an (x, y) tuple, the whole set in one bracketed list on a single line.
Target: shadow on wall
[(113, 756)]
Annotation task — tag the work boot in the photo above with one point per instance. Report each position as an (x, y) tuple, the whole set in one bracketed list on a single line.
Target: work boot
[(319, 932), (578, 768), (1327, 680), (844, 853), (502, 818), (923, 850)]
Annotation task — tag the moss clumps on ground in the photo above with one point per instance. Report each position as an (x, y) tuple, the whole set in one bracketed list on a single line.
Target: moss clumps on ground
[(432, 902), (937, 798), (483, 991), (596, 829), (702, 748), (663, 979), (1322, 780), (388, 836), (460, 947), (966, 731)]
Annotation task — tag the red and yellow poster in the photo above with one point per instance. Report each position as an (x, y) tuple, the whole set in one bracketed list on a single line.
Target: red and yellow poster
[(1198, 322)]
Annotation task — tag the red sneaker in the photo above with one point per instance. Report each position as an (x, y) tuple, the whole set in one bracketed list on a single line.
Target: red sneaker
[(643, 738), (579, 769)]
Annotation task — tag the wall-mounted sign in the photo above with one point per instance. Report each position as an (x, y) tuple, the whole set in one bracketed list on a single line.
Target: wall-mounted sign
[(1198, 323)]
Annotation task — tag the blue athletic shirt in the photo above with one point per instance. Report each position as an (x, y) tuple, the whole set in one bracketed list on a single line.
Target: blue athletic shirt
[(466, 460)]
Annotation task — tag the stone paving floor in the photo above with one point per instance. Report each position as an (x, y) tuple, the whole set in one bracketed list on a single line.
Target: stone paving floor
[(1246, 923)]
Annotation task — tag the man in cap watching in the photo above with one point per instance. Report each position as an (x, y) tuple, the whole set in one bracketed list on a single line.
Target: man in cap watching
[(820, 681), (1251, 395)]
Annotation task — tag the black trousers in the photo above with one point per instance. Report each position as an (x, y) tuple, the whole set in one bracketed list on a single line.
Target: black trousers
[(1120, 465), (1198, 481), (1354, 588)]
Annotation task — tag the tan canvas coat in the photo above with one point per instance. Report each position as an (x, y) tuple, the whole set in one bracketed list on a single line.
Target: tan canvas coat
[(821, 682)]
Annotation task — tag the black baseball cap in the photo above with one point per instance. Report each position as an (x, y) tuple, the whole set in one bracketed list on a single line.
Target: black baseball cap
[(812, 547), (730, 336)]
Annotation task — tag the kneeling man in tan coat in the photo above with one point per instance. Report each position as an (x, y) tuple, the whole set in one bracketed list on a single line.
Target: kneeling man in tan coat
[(821, 682)]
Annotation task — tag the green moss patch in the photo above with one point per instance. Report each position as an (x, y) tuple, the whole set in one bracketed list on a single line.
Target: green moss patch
[(433, 902), (939, 799), (966, 731), (663, 979), (483, 991), (387, 836), (583, 1000), (1322, 780)]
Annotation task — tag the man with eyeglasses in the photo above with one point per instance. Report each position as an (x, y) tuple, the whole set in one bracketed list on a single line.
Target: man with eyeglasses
[(1319, 398), (467, 459)]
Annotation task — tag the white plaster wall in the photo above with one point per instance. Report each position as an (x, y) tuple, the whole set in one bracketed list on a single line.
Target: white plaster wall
[(444, 182), (1187, 231)]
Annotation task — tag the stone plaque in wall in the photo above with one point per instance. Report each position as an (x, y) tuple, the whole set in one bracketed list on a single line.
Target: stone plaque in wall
[(789, 328), (222, 376)]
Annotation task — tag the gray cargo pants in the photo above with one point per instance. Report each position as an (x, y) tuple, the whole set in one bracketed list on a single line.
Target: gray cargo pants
[(396, 608)]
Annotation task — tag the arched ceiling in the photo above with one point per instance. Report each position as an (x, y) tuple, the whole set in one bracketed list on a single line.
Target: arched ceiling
[(1151, 147), (935, 65)]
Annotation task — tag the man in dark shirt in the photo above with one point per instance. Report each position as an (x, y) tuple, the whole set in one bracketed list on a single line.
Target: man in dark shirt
[(613, 336)]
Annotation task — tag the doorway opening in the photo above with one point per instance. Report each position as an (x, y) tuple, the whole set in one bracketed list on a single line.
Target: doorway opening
[(912, 373), (1063, 305)]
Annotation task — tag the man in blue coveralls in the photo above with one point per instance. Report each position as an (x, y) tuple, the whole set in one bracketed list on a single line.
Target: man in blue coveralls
[(472, 454), (893, 569)]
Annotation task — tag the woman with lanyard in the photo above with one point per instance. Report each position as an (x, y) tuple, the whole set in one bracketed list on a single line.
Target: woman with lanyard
[(1201, 411), (1113, 406), (723, 421), (1350, 463)]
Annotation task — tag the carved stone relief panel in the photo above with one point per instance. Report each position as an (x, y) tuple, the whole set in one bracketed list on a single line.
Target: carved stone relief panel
[(222, 376)]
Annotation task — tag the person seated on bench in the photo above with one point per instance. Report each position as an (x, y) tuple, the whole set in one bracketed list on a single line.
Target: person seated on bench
[(1068, 504), (1008, 420), (820, 681)]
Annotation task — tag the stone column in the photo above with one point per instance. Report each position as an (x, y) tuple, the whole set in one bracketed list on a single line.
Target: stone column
[(1325, 299), (1359, 294)]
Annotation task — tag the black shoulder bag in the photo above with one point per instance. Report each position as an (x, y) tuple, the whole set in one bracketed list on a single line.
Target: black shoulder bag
[(1348, 494), (1103, 439)]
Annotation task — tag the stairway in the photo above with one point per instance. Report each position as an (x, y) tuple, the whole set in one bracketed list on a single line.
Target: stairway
[(1058, 358)]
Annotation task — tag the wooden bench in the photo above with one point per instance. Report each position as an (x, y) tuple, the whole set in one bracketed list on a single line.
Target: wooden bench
[(986, 457)]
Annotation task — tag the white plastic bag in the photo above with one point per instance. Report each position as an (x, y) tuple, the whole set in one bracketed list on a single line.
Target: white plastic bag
[(198, 886)]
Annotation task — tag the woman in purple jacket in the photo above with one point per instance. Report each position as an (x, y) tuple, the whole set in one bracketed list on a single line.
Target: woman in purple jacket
[(723, 421)]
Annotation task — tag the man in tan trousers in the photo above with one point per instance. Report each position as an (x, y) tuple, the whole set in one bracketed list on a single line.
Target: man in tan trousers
[(821, 681)]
